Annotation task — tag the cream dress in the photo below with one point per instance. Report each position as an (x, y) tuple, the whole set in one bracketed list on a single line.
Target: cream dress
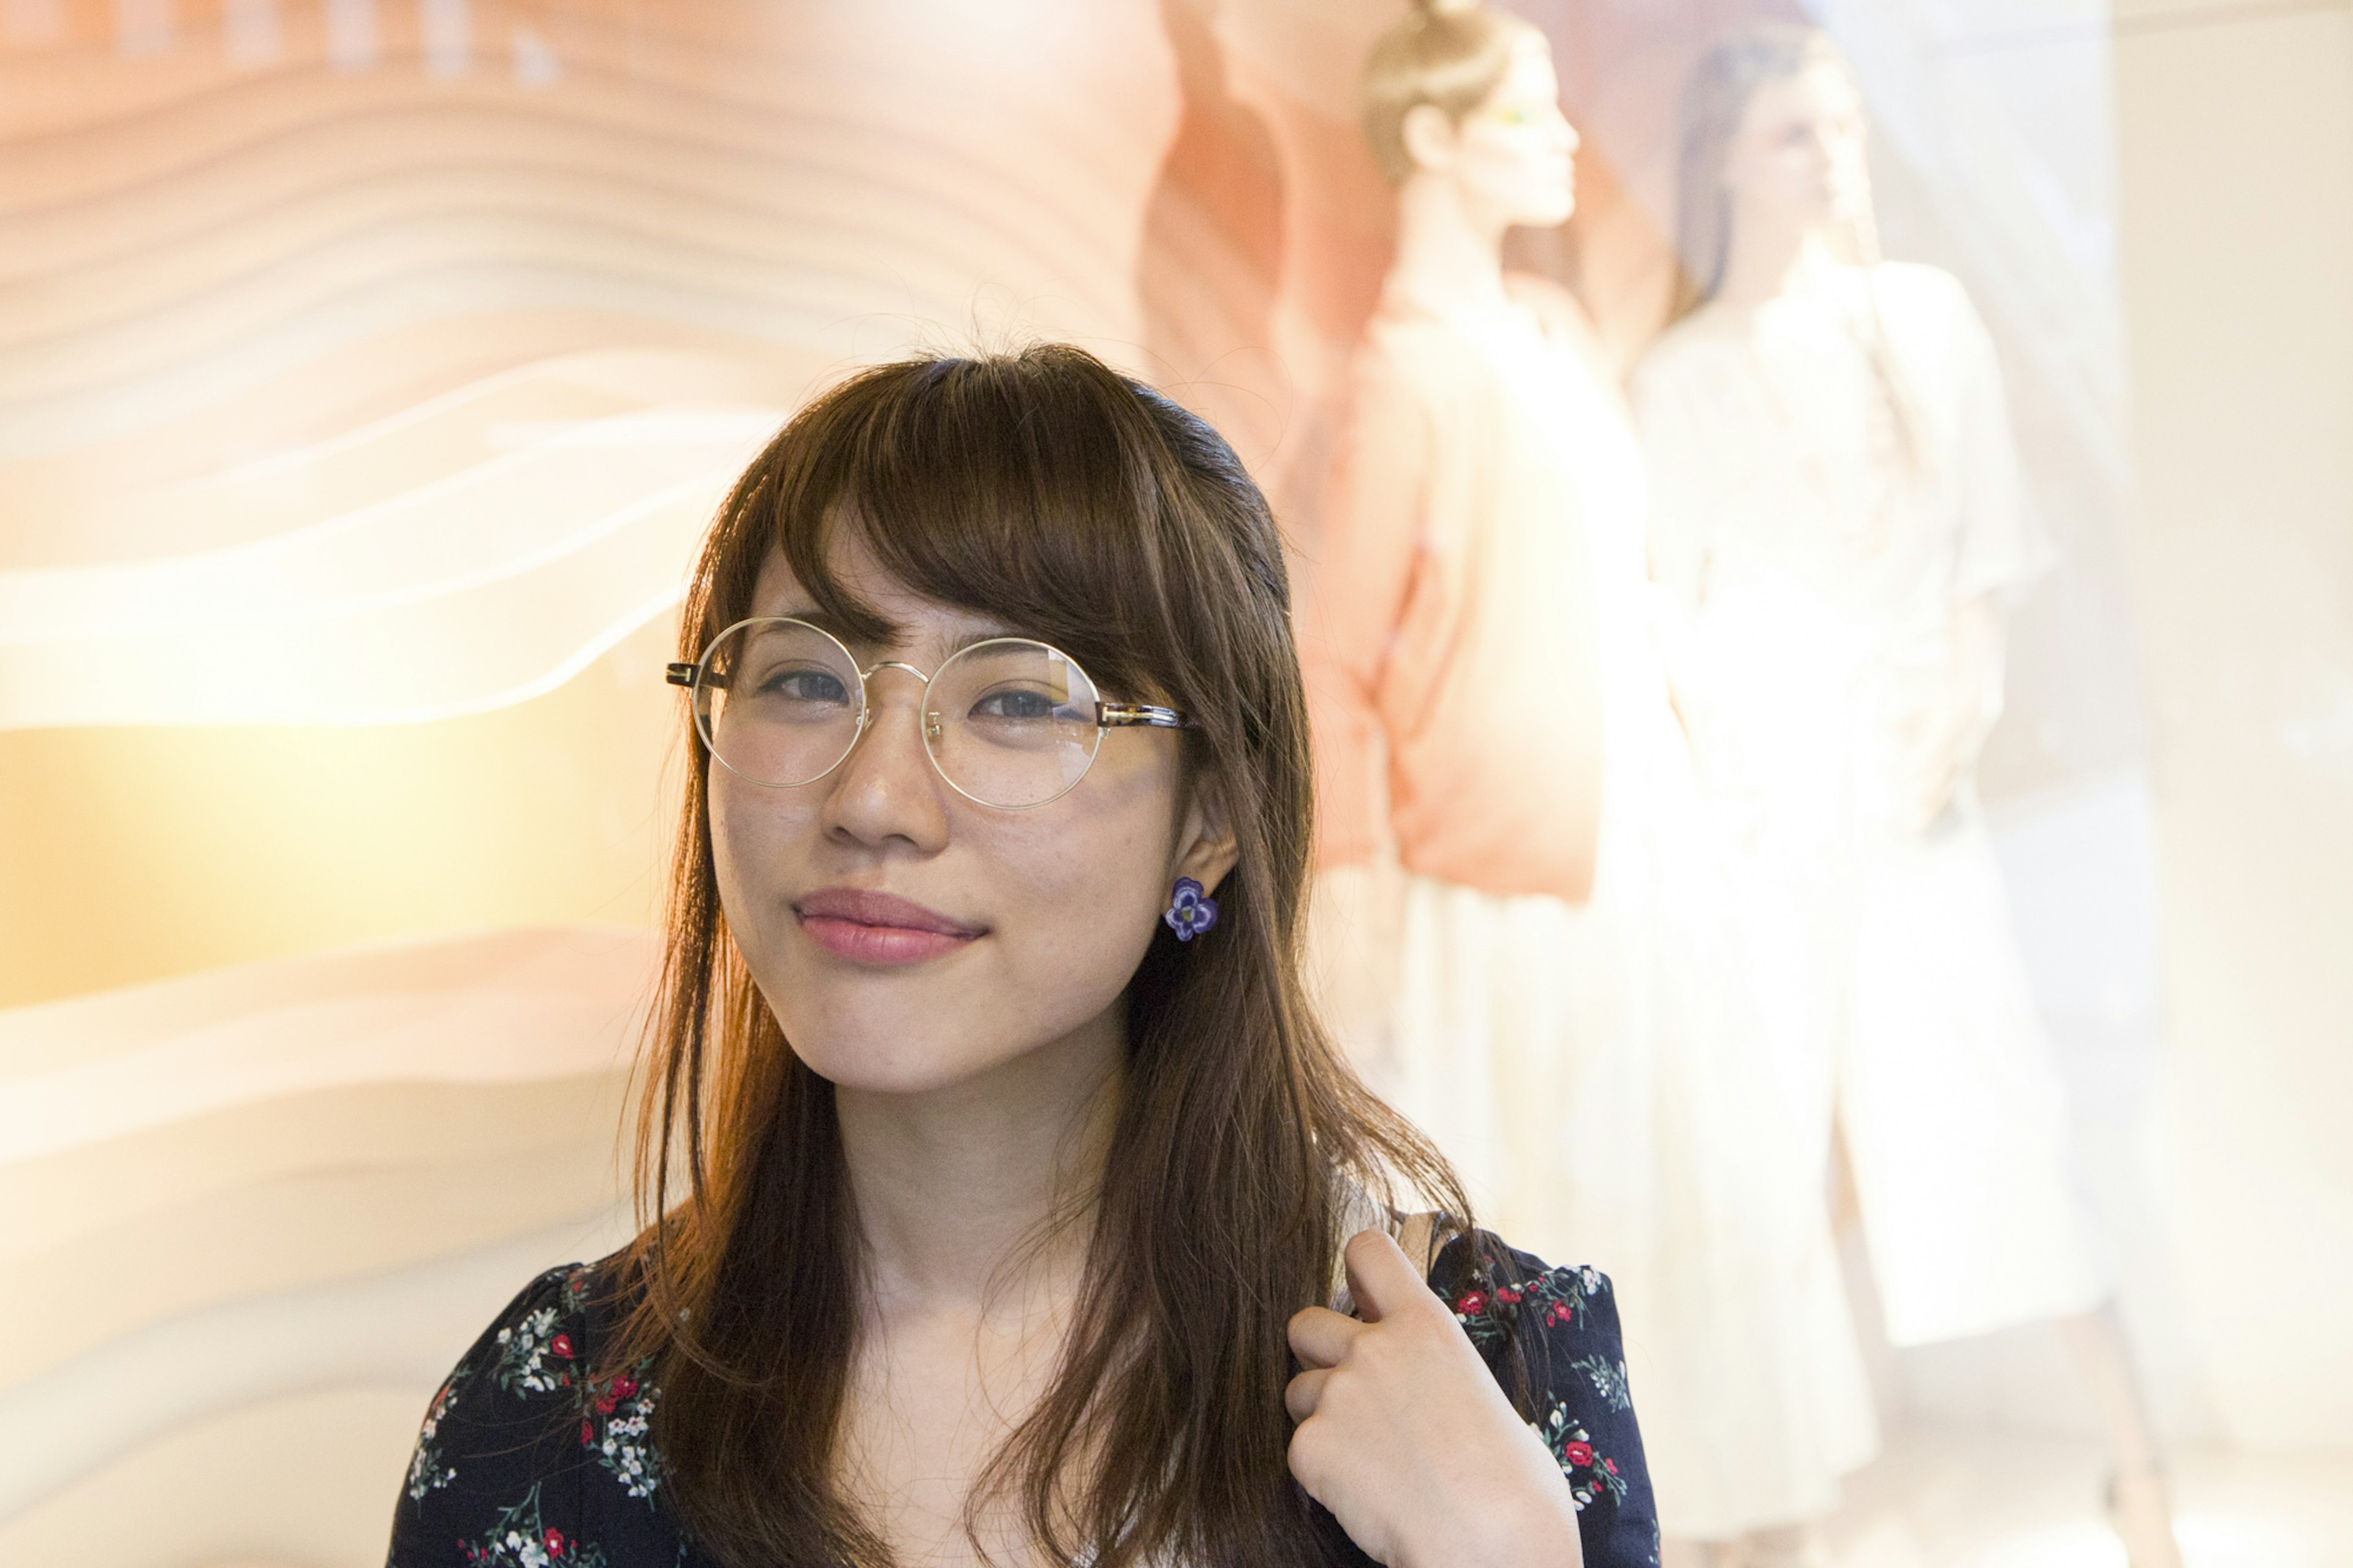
[(1586, 1067), (1822, 505)]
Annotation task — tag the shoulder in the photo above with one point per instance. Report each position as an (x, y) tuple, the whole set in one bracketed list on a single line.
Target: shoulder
[(529, 1404), (1412, 383), (1496, 1288), (1694, 345), (1928, 293), (1406, 351), (1550, 1336), (1916, 279), (1560, 311)]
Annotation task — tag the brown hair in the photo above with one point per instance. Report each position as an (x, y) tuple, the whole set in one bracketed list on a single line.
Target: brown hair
[(1445, 52), (1046, 490)]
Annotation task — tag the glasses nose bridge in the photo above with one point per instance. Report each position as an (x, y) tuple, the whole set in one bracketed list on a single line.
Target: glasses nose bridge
[(866, 677), (866, 700)]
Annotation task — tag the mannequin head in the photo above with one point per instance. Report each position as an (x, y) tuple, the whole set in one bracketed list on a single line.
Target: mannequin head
[(1464, 96), (1773, 140)]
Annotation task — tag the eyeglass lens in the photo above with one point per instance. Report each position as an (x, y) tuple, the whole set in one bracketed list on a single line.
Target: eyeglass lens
[(1008, 722)]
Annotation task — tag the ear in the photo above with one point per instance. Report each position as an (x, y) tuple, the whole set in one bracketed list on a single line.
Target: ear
[(1428, 136), (1206, 849)]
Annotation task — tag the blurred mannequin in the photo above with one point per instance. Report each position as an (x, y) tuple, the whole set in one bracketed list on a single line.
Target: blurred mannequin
[(1515, 922), (1836, 506), (1451, 633)]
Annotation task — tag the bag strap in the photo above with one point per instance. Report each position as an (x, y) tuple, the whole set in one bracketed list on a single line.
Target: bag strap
[(1421, 1236)]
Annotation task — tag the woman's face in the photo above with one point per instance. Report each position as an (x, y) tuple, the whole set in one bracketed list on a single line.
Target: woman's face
[(1512, 158), (909, 939), (1799, 152)]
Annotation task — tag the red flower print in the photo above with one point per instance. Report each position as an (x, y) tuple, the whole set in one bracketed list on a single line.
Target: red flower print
[(1558, 1313), (605, 1405), (1611, 1465), (588, 1436), (624, 1386), (555, 1543), (1509, 1295), (1471, 1303), (1578, 1454), (562, 1345)]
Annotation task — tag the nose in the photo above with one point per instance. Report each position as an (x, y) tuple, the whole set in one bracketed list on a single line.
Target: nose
[(887, 789)]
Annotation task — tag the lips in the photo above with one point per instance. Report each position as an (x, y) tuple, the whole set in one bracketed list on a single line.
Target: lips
[(880, 928)]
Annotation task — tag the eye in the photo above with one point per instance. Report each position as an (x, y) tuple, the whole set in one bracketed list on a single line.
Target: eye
[(805, 683), (1015, 704)]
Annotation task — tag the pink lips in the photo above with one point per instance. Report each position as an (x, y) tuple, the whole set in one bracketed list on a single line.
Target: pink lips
[(879, 927)]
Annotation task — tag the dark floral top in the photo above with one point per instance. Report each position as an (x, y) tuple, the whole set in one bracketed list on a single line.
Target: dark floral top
[(527, 1461)]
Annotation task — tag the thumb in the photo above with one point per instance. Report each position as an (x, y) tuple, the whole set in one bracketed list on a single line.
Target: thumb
[(1380, 1279)]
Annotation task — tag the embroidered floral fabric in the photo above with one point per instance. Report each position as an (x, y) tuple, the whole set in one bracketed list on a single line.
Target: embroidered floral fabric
[(527, 1460)]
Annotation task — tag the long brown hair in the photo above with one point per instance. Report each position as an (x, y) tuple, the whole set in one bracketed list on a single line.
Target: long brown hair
[(1044, 490)]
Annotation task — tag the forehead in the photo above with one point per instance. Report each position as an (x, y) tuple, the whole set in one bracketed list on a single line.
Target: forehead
[(1530, 74), (918, 622), (1819, 91)]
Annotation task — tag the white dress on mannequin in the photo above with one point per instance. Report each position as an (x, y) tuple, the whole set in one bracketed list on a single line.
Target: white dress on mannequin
[(1824, 507)]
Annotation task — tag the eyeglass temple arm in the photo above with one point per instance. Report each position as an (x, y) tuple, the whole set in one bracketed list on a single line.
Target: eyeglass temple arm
[(1122, 715)]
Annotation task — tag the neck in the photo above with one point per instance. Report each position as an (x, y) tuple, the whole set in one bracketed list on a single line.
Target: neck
[(1771, 259), (985, 1190), (1445, 252)]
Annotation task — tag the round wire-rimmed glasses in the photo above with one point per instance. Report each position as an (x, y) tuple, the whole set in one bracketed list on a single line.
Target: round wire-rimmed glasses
[(1009, 723)]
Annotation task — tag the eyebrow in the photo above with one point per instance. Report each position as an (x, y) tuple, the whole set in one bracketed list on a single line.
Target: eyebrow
[(828, 624)]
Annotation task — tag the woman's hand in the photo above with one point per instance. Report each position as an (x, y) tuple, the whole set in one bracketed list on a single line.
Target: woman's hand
[(1943, 740), (1404, 1437)]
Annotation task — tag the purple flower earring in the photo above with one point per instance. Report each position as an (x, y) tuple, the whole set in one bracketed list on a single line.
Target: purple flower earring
[(1190, 911)]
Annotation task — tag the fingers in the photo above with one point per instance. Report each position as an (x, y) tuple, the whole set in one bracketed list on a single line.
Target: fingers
[(1320, 1336), (1380, 1279), (1304, 1392)]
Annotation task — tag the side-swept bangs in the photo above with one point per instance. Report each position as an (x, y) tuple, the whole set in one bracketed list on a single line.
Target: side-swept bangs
[(1041, 490)]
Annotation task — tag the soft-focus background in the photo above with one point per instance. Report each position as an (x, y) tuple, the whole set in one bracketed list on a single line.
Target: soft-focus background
[(367, 368)]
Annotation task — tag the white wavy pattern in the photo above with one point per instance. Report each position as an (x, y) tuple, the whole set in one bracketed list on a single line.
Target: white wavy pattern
[(277, 329), (301, 1175), (511, 1006), (478, 590)]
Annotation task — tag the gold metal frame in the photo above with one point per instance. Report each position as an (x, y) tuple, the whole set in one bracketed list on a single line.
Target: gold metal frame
[(1108, 715)]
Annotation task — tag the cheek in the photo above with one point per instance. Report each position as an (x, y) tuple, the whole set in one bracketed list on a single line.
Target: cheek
[(1779, 173), (1075, 897), (1075, 930), (1083, 901), (1849, 161), (755, 842), (1512, 170)]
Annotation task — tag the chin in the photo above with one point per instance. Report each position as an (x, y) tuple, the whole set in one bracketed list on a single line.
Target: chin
[(882, 1059), (1550, 214)]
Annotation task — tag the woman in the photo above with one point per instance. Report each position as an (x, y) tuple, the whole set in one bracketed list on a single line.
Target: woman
[(1836, 504), (1017, 1170)]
